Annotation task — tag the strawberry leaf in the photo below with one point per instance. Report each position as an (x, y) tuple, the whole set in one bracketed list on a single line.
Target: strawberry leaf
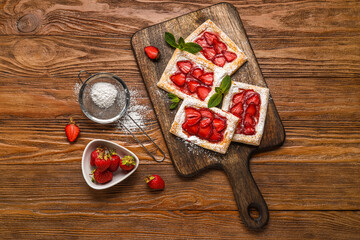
[(192, 47), (215, 100), (170, 39)]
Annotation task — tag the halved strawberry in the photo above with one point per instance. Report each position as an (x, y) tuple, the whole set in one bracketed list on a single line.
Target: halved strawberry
[(219, 60), (210, 37), (192, 130), (202, 92), (239, 97), (205, 132), (193, 116), (202, 42), (215, 136), (208, 52), (178, 79), (152, 52), (237, 110), (197, 72), (207, 117), (254, 99), (207, 78), (219, 46), (192, 85), (249, 121), (219, 124), (229, 56), (184, 66), (249, 131), (251, 109)]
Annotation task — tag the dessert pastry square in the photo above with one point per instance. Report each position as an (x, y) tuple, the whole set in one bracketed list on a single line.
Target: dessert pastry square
[(249, 103), (218, 48), (210, 128), (187, 75)]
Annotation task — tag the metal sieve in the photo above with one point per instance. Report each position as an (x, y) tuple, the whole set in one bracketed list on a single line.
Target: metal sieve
[(114, 112)]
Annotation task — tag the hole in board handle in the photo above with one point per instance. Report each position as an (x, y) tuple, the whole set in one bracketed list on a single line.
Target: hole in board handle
[(254, 212)]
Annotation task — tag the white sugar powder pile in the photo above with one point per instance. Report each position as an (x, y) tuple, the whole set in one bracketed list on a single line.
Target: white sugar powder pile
[(103, 94)]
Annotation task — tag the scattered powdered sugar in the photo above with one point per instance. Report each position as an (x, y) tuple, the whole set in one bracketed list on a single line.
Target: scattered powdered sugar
[(197, 150), (103, 94), (77, 87)]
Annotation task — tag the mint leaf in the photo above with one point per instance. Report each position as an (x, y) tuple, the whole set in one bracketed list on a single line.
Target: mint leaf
[(225, 84), (173, 106), (174, 99), (171, 95), (215, 100), (192, 47), (170, 39), (218, 90), (181, 43)]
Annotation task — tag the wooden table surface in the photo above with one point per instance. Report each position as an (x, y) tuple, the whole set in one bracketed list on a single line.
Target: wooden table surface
[(309, 53)]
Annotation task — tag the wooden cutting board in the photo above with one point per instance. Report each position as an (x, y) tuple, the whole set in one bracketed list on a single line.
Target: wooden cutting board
[(189, 160)]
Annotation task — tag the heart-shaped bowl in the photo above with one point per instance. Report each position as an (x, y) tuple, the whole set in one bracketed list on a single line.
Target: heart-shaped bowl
[(118, 176)]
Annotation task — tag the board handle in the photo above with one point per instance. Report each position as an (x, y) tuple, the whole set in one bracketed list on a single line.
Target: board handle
[(247, 195)]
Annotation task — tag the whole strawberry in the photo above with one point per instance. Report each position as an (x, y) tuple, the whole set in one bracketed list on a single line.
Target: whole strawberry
[(102, 162), (114, 161), (127, 163), (72, 131), (102, 177), (152, 52), (155, 182), (99, 150)]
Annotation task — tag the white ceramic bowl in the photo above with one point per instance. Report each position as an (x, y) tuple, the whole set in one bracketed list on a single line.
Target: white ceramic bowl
[(118, 176)]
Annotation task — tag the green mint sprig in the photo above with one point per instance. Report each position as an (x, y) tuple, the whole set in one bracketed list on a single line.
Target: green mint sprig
[(217, 97), (190, 47), (175, 100)]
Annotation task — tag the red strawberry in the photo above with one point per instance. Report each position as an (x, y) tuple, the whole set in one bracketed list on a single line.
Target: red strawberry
[(99, 150), (197, 72), (219, 124), (127, 163), (251, 109), (184, 66), (219, 46), (72, 131), (216, 136), (254, 99), (210, 38), (202, 42), (249, 131), (229, 56), (249, 121), (102, 177), (152, 52), (192, 130), (193, 116), (238, 98), (237, 110), (207, 117), (155, 182), (102, 162), (202, 92), (207, 78), (178, 79), (185, 90), (114, 161), (208, 52), (193, 85), (205, 132), (219, 60)]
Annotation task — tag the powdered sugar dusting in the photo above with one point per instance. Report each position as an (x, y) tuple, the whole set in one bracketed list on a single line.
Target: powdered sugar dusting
[(197, 150), (77, 87)]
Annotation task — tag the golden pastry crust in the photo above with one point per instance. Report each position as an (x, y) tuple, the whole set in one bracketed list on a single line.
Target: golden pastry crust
[(264, 96), (220, 147), (229, 68)]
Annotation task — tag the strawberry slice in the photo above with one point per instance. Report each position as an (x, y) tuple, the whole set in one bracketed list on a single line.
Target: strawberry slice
[(178, 79), (207, 117), (192, 85), (210, 37), (237, 110), (202, 42), (254, 99), (197, 72), (249, 131), (215, 136), (229, 56), (207, 78), (205, 132), (251, 109), (249, 121), (208, 52), (184, 66), (219, 124), (152, 52), (219, 60), (239, 97), (202, 92), (219, 46), (192, 130), (193, 116)]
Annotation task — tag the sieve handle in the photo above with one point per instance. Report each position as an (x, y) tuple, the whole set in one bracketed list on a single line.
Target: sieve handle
[(79, 75)]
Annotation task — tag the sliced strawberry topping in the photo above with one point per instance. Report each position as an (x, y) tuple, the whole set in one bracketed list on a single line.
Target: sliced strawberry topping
[(249, 131), (208, 52), (192, 130), (219, 124), (202, 92), (219, 46), (216, 136), (184, 66), (205, 132), (178, 79), (210, 37), (193, 116), (237, 110), (207, 117), (197, 72), (193, 85), (219, 60), (251, 109), (202, 42), (249, 121), (254, 99), (207, 78), (229, 56), (239, 97)]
